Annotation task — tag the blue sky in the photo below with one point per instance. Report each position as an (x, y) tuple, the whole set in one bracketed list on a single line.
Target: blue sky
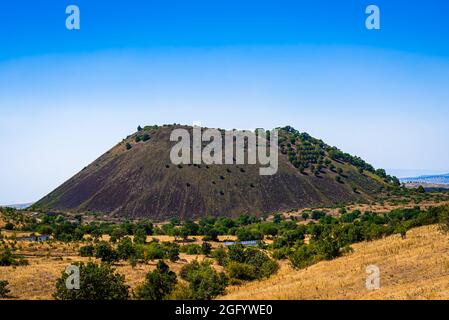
[(68, 96)]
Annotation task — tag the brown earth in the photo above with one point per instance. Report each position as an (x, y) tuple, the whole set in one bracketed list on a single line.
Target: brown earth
[(142, 182)]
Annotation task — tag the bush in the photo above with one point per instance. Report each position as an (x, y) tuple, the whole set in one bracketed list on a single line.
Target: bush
[(140, 236), (7, 258), (303, 257), (158, 283), (245, 234), (241, 271), (281, 253), (191, 249), (206, 248), (105, 252), (154, 251), (171, 251), (220, 255), (262, 265), (9, 226), (126, 249), (97, 282), (204, 282), (3, 289), (317, 215), (87, 251)]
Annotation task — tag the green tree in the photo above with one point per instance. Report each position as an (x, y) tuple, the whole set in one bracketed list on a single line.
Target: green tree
[(140, 236), (172, 251), (204, 282), (9, 226), (277, 218), (303, 256), (87, 251), (97, 282), (105, 252), (206, 248), (158, 283), (126, 249)]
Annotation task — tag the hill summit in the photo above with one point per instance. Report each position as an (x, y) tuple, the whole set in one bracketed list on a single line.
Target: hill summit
[(137, 179)]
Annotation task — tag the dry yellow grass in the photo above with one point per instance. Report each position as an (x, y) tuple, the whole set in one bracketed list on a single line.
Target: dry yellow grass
[(47, 261), (414, 268)]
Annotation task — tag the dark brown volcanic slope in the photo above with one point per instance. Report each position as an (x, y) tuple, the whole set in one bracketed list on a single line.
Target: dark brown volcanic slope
[(142, 182)]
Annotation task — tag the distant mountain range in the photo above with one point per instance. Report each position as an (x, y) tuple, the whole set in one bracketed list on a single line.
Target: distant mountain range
[(431, 179), (19, 206)]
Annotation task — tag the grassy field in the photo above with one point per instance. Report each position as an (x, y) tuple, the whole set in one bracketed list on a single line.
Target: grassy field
[(416, 267), (413, 268), (46, 263)]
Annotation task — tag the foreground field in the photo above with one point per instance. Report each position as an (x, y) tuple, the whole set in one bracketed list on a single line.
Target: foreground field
[(413, 268), (36, 281)]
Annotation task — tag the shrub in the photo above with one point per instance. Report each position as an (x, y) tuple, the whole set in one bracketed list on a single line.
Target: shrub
[(87, 251), (8, 258), (281, 253), (158, 283), (3, 289), (191, 249), (328, 247), (126, 249), (317, 215), (220, 255), (206, 248), (97, 282), (204, 282), (154, 251), (171, 251), (241, 271), (105, 252), (262, 264), (140, 236), (350, 217), (245, 234), (303, 256), (9, 226)]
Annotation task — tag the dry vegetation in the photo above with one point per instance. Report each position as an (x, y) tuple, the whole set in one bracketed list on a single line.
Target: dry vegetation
[(413, 268), (47, 261)]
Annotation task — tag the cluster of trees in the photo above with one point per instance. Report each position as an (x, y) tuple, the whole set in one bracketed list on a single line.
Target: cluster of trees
[(331, 236), (130, 251), (102, 282), (209, 227), (306, 152), (63, 229)]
